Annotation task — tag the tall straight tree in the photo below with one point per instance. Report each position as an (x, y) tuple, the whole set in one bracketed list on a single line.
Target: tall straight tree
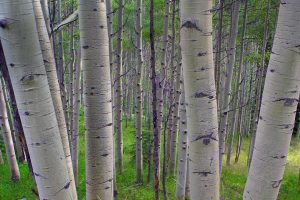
[(97, 99), (50, 66), (138, 101), (200, 96), (7, 137), (228, 78), (118, 90), (27, 70), (278, 107)]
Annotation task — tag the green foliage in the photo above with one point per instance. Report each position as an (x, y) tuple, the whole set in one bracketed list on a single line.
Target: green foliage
[(232, 183)]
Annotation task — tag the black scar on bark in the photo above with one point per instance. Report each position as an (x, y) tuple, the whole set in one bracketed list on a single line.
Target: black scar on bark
[(276, 184), (191, 25), (203, 173), (202, 94), (206, 138), (3, 23), (85, 47), (287, 101)]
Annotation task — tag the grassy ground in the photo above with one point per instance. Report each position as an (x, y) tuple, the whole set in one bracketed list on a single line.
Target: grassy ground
[(233, 181)]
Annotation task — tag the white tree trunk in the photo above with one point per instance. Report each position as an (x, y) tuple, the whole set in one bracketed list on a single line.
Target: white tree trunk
[(139, 94), (200, 95), (7, 138), (278, 107), (182, 155), (27, 70), (97, 99), (50, 66)]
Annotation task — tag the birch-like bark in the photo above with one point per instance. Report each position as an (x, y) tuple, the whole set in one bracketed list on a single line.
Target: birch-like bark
[(34, 100), (229, 73), (182, 155), (7, 138), (118, 90), (236, 106), (75, 116), (279, 103), (200, 96), (139, 94), (50, 66), (97, 99)]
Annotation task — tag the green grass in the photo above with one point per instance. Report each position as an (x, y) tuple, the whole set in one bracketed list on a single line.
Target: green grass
[(232, 184)]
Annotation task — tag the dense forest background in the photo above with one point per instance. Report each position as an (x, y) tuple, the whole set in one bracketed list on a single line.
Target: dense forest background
[(140, 54)]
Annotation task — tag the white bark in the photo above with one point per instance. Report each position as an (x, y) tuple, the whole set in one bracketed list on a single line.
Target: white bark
[(50, 66), (97, 99), (7, 138), (279, 103), (26, 67), (200, 95), (182, 155)]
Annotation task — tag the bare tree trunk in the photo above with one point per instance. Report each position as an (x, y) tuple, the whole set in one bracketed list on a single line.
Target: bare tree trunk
[(1, 158), (200, 96), (118, 90), (156, 126), (49, 61), (139, 94), (182, 158), (34, 100), (7, 138), (279, 103), (236, 106), (97, 99), (228, 80), (75, 116)]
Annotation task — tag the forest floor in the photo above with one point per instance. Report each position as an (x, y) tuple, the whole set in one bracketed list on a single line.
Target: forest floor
[(232, 184)]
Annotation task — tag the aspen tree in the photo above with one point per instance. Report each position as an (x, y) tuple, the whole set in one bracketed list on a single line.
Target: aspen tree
[(183, 146), (200, 96), (118, 89), (278, 107), (50, 66), (7, 138), (228, 79), (27, 70), (97, 99), (139, 94)]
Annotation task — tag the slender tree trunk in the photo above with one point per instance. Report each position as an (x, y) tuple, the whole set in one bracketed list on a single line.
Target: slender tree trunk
[(118, 89), (228, 80), (182, 158), (200, 96), (236, 106), (174, 98), (156, 126), (49, 61), (75, 116), (97, 99), (279, 103), (34, 100), (7, 138), (139, 94), (16, 117)]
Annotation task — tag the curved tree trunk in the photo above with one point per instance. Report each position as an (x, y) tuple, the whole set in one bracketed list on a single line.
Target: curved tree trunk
[(200, 95), (279, 103), (33, 97), (7, 138), (97, 99), (50, 66)]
